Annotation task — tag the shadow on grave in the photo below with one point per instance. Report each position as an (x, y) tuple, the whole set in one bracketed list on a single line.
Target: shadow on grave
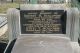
[(2, 47)]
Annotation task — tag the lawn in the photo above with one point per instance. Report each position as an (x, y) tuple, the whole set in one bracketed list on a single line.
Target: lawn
[(6, 6)]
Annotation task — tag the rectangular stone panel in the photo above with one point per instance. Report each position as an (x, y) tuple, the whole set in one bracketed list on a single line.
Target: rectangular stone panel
[(43, 21)]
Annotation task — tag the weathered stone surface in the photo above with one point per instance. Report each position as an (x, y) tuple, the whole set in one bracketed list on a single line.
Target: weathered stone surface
[(53, 44)]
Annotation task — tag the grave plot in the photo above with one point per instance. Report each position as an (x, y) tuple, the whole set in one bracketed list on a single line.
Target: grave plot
[(42, 28)]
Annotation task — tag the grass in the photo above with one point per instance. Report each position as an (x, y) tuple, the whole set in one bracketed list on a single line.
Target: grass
[(4, 38), (6, 6)]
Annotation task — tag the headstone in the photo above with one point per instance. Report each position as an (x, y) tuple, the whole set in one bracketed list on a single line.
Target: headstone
[(44, 19), (43, 27)]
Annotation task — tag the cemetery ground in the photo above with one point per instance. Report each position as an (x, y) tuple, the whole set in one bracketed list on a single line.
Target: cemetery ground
[(4, 7), (4, 38), (3, 10)]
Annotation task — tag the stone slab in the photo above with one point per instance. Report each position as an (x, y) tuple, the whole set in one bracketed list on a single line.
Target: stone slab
[(37, 44)]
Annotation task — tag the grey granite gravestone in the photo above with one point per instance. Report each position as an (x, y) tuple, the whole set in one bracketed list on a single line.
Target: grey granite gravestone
[(23, 22), (69, 24)]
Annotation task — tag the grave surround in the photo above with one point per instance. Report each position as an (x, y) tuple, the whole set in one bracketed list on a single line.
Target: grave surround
[(42, 41)]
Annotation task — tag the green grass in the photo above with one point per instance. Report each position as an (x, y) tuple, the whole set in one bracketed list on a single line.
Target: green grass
[(5, 7)]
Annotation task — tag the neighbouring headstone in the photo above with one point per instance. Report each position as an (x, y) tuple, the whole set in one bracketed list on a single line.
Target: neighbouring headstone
[(3, 26)]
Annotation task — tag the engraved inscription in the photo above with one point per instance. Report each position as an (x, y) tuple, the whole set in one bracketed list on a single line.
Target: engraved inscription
[(42, 21)]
